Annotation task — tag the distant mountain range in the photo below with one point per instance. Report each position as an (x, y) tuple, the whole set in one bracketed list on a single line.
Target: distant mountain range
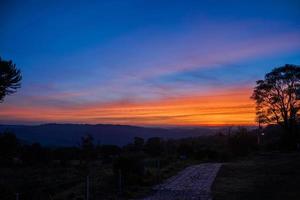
[(70, 134)]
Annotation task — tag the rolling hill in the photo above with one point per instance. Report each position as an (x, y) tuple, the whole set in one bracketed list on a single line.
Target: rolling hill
[(70, 134)]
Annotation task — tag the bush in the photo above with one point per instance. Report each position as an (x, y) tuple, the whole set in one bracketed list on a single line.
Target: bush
[(9, 147), (242, 142), (130, 167), (154, 146)]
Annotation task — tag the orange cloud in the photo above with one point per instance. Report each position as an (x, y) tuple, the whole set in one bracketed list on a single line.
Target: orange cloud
[(231, 107)]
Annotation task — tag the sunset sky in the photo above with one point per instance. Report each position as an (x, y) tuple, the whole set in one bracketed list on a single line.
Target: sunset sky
[(153, 63)]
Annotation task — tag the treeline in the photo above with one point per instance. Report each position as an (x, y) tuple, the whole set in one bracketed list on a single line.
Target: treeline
[(223, 146), (121, 170)]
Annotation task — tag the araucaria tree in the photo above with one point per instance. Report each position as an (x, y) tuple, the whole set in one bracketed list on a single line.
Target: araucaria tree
[(276, 98), (10, 78)]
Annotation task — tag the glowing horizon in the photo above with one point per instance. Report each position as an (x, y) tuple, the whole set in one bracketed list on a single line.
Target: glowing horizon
[(220, 109)]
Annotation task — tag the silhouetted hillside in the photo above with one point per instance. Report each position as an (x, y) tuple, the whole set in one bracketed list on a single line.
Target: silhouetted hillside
[(70, 134)]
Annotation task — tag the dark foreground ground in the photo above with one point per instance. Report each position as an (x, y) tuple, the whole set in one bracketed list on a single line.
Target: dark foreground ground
[(51, 182), (265, 176)]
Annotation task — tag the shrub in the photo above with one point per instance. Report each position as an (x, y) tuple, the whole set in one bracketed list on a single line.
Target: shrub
[(242, 142), (130, 167)]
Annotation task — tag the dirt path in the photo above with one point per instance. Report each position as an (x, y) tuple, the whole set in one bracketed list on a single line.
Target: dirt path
[(194, 182)]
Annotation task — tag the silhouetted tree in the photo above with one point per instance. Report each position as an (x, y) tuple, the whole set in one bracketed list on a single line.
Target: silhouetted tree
[(88, 148), (136, 146), (138, 141), (154, 146), (35, 154), (131, 167), (10, 78), (66, 154), (276, 98), (9, 147), (108, 152), (242, 142)]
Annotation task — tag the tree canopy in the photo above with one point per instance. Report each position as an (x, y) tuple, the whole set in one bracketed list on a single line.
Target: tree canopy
[(276, 96), (10, 78)]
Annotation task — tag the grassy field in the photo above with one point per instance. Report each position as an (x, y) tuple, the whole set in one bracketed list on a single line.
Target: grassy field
[(265, 176)]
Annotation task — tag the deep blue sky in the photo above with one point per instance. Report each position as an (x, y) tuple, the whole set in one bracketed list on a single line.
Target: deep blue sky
[(79, 54)]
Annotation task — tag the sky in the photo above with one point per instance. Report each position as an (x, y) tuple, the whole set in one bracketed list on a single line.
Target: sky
[(143, 62)]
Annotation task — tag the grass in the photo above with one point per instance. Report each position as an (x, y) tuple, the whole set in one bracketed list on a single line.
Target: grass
[(265, 176)]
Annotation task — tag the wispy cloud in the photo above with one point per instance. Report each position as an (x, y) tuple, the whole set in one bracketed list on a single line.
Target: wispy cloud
[(220, 108)]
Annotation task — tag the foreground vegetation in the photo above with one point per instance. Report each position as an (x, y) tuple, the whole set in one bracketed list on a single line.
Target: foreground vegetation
[(37, 172), (34, 172), (264, 176)]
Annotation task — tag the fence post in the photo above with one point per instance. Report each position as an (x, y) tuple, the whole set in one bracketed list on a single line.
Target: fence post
[(158, 171), (87, 187), (120, 181)]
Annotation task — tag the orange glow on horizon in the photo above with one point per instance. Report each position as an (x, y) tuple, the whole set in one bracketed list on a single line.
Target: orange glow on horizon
[(223, 108)]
